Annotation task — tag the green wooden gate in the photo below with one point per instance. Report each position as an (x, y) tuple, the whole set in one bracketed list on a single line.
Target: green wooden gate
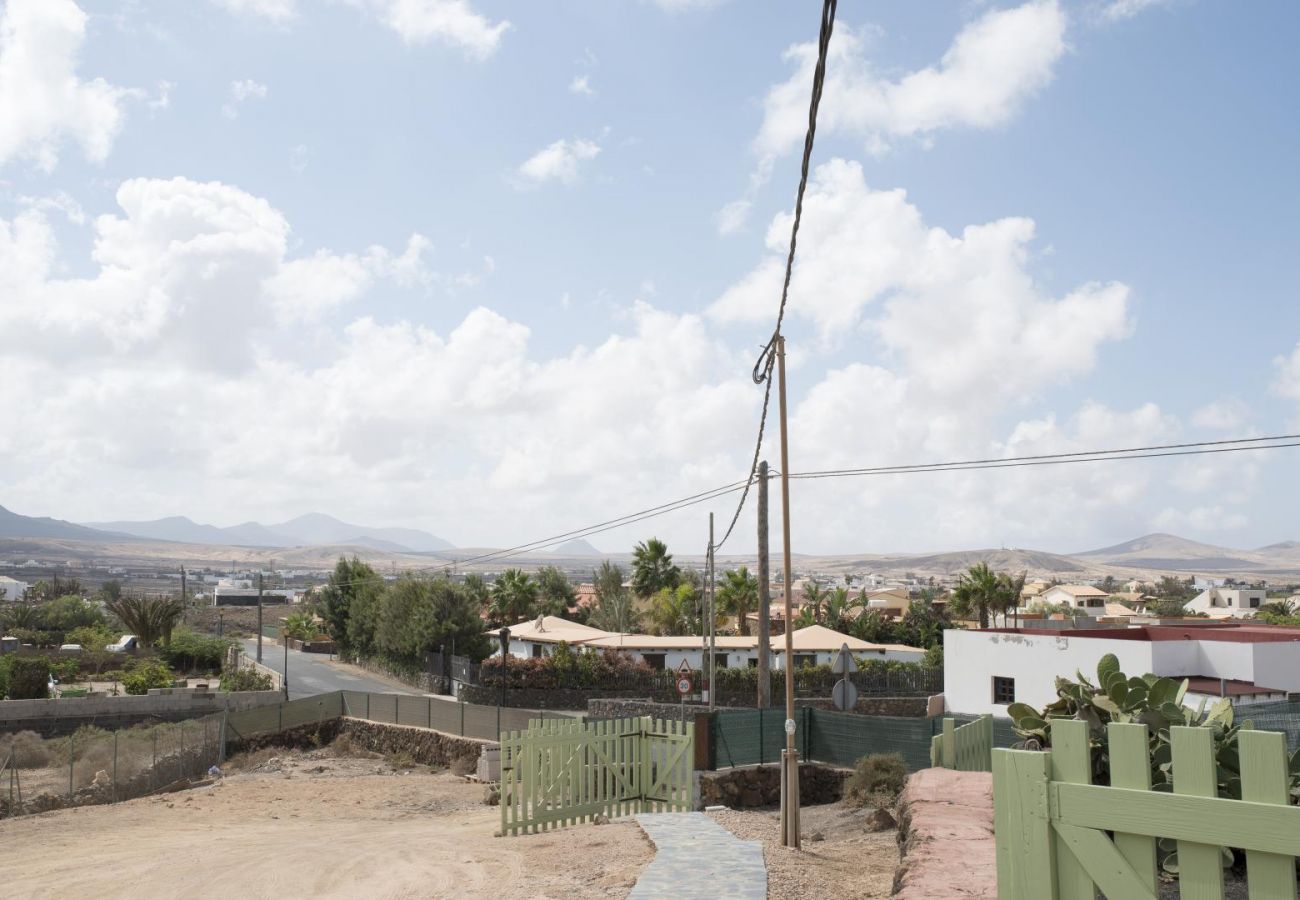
[(564, 772)]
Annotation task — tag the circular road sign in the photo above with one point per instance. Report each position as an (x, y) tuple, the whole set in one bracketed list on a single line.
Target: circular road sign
[(683, 686)]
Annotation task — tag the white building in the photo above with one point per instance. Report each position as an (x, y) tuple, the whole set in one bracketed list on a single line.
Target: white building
[(986, 670), (1083, 597), (1219, 602), (11, 588), (815, 644)]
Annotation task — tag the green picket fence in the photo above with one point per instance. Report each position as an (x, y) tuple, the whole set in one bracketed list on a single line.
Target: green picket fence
[(557, 773), (1060, 837), (966, 748)]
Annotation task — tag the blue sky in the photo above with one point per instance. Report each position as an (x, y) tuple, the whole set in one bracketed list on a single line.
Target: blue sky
[(409, 264)]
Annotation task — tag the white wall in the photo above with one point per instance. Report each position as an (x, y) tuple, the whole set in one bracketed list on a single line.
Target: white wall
[(1277, 665), (972, 658), (12, 590)]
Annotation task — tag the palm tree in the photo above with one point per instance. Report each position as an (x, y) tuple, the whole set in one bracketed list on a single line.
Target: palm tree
[(738, 595), (673, 611), (613, 610), (150, 619), (653, 569), (838, 605), (514, 598), (978, 593), (813, 598), (1009, 587)]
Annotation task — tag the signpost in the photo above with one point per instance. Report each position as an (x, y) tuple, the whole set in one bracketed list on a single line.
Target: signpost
[(683, 684), (845, 694)]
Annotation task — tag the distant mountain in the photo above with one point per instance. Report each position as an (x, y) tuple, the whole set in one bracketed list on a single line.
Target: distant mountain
[(1281, 545), (1166, 546), (311, 530), (576, 547), (12, 525)]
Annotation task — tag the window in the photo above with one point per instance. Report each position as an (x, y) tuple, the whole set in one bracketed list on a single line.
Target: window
[(753, 663), (1004, 690), (654, 660), (805, 659), (537, 650), (720, 661), (1254, 603)]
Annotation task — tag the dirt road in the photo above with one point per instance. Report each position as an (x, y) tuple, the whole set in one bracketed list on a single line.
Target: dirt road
[(312, 826)]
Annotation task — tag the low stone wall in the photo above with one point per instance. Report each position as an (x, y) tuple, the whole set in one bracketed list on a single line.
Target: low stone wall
[(626, 708), (526, 698), (909, 707), (50, 718), (422, 745), (945, 836), (430, 684), (748, 787)]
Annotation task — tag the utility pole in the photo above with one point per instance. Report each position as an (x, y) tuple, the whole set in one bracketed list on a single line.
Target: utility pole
[(764, 597), (259, 616), (185, 603), (285, 639), (790, 758), (713, 619)]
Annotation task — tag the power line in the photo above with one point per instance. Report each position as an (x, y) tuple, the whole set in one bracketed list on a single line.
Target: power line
[(762, 373)]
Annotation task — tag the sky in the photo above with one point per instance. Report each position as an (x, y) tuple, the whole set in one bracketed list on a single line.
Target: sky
[(501, 270)]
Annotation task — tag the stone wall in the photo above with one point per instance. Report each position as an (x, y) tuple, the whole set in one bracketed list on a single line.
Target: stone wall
[(50, 718), (626, 708), (747, 787), (945, 836), (424, 681), (524, 698), (910, 707)]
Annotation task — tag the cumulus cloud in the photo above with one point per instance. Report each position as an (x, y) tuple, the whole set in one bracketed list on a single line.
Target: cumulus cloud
[(1228, 414), (1118, 10), (581, 84), (450, 21), (277, 11), (558, 161), (240, 91), (1287, 382), (43, 100)]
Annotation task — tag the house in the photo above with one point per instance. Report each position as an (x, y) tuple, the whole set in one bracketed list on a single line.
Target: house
[(539, 636), (1134, 600), (986, 670), (1031, 590), (11, 588), (1219, 602), (817, 645), (243, 592), (1083, 597), (891, 601)]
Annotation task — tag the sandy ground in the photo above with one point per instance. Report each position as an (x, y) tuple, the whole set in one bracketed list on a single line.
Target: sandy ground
[(847, 863), (310, 825)]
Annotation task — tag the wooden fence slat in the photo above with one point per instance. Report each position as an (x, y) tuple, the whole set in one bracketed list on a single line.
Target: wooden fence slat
[(1071, 764), (949, 744), (1200, 866), (1103, 862), (1130, 767), (1265, 778), (1030, 851)]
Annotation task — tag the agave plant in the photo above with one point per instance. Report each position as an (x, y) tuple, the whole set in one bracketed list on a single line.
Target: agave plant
[(1152, 701)]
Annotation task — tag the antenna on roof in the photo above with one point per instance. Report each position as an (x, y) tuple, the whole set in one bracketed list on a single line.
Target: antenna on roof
[(541, 622)]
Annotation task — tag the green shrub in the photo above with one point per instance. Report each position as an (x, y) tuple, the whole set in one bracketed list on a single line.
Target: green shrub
[(92, 638), (29, 678), (147, 674), (245, 680), (66, 669), (877, 779), (190, 651)]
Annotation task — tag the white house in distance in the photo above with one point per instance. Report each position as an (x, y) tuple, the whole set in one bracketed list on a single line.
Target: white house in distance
[(1221, 603), (815, 644), (11, 588), (986, 670), (1083, 597)]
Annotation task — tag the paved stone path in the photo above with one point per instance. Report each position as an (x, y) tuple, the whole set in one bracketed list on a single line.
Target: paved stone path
[(697, 857)]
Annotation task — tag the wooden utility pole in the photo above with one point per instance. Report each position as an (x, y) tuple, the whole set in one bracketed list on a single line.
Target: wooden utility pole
[(764, 597), (259, 616), (713, 619), (790, 758), (185, 603)]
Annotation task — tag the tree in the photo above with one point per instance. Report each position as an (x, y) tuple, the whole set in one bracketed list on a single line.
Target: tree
[(352, 588), (978, 593), (738, 596), (1171, 588), (110, 590), (54, 588), (652, 568), (675, 611), (67, 613), (814, 597), (613, 609), (477, 591), (514, 598), (150, 619), (555, 592), (1009, 588)]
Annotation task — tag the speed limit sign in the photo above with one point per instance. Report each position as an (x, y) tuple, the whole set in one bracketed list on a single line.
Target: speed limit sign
[(683, 685)]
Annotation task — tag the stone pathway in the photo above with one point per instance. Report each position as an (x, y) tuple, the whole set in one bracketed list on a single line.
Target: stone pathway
[(697, 857)]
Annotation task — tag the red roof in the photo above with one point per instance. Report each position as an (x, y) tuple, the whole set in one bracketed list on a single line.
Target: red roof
[(1192, 630), (1200, 684)]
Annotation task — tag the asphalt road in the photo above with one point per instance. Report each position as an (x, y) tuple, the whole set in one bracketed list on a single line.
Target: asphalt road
[(314, 673)]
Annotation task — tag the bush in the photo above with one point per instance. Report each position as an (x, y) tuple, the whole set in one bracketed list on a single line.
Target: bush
[(877, 779), (92, 639), (245, 680), (65, 669), (190, 651), (147, 674), (29, 678), (29, 750)]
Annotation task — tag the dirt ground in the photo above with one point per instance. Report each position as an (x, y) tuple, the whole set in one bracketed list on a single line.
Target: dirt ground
[(846, 864), (311, 825)]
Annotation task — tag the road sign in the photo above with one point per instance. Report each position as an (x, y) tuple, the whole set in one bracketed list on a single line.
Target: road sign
[(844, 664), (683, 686), (684, 669), (844, 694)]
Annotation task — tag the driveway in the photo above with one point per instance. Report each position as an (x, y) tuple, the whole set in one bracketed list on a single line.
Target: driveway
[(316, 673)]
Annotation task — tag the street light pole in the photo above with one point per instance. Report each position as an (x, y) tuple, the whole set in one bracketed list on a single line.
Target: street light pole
[(285, 638), (790, 758)]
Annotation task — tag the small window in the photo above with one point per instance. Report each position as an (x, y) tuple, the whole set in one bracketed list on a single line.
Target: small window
[(720, 661), (654, 660), (1004, 690), (1254, 603), (805, 659), (753, 664), (537, 650)]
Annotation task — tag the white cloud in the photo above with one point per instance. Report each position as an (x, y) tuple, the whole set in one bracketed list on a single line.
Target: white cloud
[(1212, 518), (449, 21), (732, 217), (963, 311), (241, 91), (581, 84), (992, 67), (558, 161), (1118, 10), (679, 6), (1228, 414), (43, 101), (277, 11), (1287, 382)]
